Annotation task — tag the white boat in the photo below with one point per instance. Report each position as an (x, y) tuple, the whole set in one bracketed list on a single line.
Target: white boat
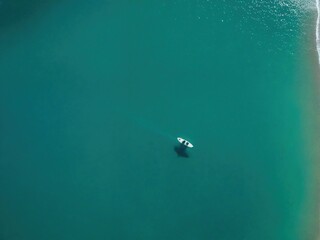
[(185, 142)]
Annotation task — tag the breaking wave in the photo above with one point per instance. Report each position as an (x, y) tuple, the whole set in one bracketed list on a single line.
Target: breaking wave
[(317, 29)]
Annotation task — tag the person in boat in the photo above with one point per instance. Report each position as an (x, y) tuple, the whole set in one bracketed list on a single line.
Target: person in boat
[(181, 150)]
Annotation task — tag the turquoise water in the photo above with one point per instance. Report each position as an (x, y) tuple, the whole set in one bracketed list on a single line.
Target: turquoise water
[(93, 96)]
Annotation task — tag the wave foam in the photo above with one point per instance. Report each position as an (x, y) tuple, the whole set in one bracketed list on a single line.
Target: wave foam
[(317, 29)]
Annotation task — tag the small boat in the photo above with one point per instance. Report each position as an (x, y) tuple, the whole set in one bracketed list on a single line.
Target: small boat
[(185, 142)]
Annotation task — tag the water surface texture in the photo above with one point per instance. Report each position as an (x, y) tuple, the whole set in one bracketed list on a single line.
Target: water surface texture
[(94, 93)]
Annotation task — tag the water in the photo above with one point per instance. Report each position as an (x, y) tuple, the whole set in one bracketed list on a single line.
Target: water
[(93, 96)]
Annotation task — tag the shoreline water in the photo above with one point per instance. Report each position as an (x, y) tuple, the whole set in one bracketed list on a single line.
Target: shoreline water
[(311, 135), (316, 73), (309, 99)]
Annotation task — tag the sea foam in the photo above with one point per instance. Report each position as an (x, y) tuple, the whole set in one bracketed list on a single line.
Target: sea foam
[(317, 29)]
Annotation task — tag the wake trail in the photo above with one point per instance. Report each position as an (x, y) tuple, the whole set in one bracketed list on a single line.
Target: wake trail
[(143, 123), (146, 125)]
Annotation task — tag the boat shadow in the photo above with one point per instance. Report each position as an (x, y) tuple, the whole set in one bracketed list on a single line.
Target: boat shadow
[(181, 151)]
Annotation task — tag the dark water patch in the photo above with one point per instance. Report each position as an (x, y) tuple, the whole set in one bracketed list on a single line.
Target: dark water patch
[(16, 12)]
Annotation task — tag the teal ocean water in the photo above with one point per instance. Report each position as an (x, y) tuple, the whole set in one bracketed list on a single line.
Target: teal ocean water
[(94, 94)]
